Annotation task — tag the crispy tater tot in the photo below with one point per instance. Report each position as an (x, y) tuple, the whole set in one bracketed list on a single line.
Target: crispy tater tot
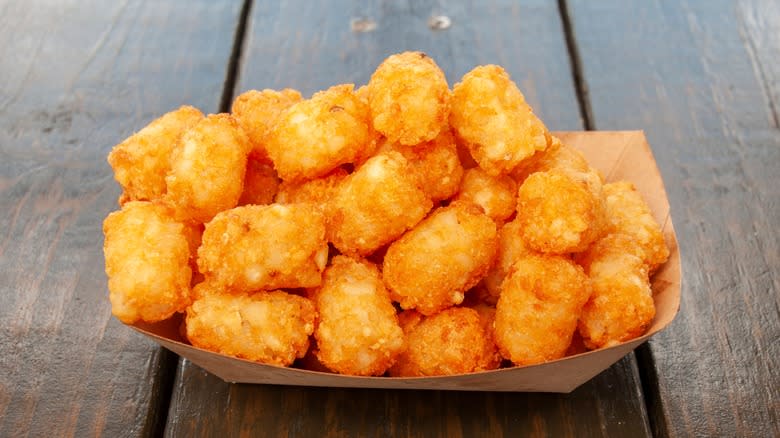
[(141, 162), (358, 331), (375, 205), (313, 137), (267, 327), (490, 358), (409, 98), (557, 156), (450, 342), (490, 116), (147, 262), (260, 184), (318, 191), (629, 214), (436, 163), (558, 213), (258, 111), (432, 266), (265, 247), (621, 307), (510, 248), (207, 169), (537, 312), (497, 195)]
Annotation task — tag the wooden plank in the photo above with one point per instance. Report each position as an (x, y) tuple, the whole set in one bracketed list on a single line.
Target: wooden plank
[(702, 78), (297, 44), (78, 77)]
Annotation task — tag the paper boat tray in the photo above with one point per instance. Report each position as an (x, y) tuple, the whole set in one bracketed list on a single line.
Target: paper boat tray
[(618, 155)]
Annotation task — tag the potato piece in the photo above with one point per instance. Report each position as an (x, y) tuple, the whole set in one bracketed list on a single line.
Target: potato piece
[(436, 164), (207, 169), (433, 265), (258, 111), (510, 248), (537, 312), (141, 162), (318, 191), (450, 342), (621, 307), (490, 116), (409, 98), (497, 195), (490, 359), (265, 247), (260, 184), (267, 327), (375, 205), (629, 214), (313, 137), (147, 262), (358, 331), (557, 156), (559, 214)]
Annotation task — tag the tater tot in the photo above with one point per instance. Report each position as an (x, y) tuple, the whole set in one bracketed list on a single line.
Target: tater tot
[(510, 248), (436, 163), (375, 205), (260, 184), (257, 112), (490, 116), (557, 156), (358, 331), (409, 98), (317, 191), (558, 213), (265, 247), (490, 358), (537, 312), (497, 195), (141, 162), (432, 266), (450, 342), (629, 214), (207, 169), (313, 137), (147, 263), (267, 327), (621, 307)]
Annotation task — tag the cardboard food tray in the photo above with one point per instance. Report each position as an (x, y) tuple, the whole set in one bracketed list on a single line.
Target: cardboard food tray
[(618, 155)]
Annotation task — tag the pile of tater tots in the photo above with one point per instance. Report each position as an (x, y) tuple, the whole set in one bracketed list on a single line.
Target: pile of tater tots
[(402, 229)]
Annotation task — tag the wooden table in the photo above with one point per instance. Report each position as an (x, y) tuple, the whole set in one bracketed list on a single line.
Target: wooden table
[(701, 78)]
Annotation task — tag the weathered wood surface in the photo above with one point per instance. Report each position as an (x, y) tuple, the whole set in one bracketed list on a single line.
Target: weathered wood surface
[(78, 77), (702, 79), (301, 45)]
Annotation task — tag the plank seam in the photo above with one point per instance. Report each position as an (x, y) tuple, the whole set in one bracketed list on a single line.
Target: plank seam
[(649, 379), (575, 61), (162, 391), (239, 39)]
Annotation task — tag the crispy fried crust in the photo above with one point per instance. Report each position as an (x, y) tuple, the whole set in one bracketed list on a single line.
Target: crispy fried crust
[(409, 98), (268, 327), (432, 266), (207, 169), (265, 247), (621, 307), (260, 184), (497, 195), (358, 331), (313, 137), (450, 342), (375, 205), (141, 162), (258, 111), (510, 248), (537, 312), (629, 214), (147, 262), (317, 191), (490, 116)]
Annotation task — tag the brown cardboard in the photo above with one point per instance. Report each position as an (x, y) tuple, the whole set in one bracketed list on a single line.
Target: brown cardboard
[(618, 155)]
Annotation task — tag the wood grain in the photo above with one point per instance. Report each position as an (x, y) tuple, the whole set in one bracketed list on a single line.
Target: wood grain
[(704, 86), (298, 44), (78, 77)]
